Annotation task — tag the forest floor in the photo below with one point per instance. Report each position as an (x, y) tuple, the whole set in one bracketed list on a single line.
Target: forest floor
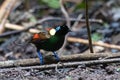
[(40, 15)]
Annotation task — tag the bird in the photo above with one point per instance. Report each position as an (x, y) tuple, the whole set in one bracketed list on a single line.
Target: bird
[(52, 41)]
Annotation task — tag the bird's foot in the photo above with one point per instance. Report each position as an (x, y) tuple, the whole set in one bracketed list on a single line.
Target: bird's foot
[(56, 56), (40, 57)]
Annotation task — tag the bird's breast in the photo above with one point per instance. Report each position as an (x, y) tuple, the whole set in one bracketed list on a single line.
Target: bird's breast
[(53, 44)]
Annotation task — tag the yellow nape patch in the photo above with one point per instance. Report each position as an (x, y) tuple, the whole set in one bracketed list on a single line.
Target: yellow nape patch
[(36, 36), (52, 32)]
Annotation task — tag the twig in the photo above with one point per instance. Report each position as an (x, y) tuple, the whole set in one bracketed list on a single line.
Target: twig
[(73, 39), (14, 32), (75, 57), (66, 64), (56, 18), (88, 28), (67, 20), (18, 27), (6, 7), (13, 26), (76, 22), (74, 19), (65, 13)]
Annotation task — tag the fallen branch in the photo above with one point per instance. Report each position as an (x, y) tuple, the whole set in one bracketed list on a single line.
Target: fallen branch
[(66, 64), (5, 10), (18, 27), (79, 40), (14, 26), (51, 59), (16, 32), (21, 28), (72, 19)]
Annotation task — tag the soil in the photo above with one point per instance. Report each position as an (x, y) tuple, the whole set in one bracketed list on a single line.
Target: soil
[(82, 72)]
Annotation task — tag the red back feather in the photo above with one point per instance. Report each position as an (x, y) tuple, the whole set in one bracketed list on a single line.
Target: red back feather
[(36, 36)]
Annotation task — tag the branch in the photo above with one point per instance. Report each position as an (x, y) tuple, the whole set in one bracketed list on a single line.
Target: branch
[(71, 19), (5, 10), (66, 64), (79, 40), (51, 59), (32, 25), (88, 27), (76, 22), (65, 13)]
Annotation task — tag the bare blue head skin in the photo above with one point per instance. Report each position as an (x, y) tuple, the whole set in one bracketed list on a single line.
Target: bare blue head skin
[(62, 30)]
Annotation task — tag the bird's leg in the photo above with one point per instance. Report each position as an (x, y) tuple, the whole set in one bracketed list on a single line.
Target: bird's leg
[(40, 57), (56, 56)]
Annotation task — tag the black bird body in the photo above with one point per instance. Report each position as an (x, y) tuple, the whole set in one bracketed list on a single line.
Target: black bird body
[(50, 42)]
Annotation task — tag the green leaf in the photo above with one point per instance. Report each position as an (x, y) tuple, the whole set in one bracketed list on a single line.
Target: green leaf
[(52, 3), (33, 19), (96, 37), (81, 5)]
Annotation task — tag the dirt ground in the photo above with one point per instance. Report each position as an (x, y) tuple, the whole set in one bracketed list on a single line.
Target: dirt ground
[(82, 72)]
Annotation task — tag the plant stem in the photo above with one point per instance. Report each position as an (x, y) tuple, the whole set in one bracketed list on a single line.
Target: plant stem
[(88, 28)]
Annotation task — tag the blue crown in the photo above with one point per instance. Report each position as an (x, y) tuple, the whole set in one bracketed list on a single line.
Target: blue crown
[(57, 28)]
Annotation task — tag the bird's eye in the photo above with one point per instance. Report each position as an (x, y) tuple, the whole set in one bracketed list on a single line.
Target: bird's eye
[(58, 28), (52, 32)]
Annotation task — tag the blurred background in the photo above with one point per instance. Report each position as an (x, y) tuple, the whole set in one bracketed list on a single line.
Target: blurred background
[(18, 15), (20, 19)]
